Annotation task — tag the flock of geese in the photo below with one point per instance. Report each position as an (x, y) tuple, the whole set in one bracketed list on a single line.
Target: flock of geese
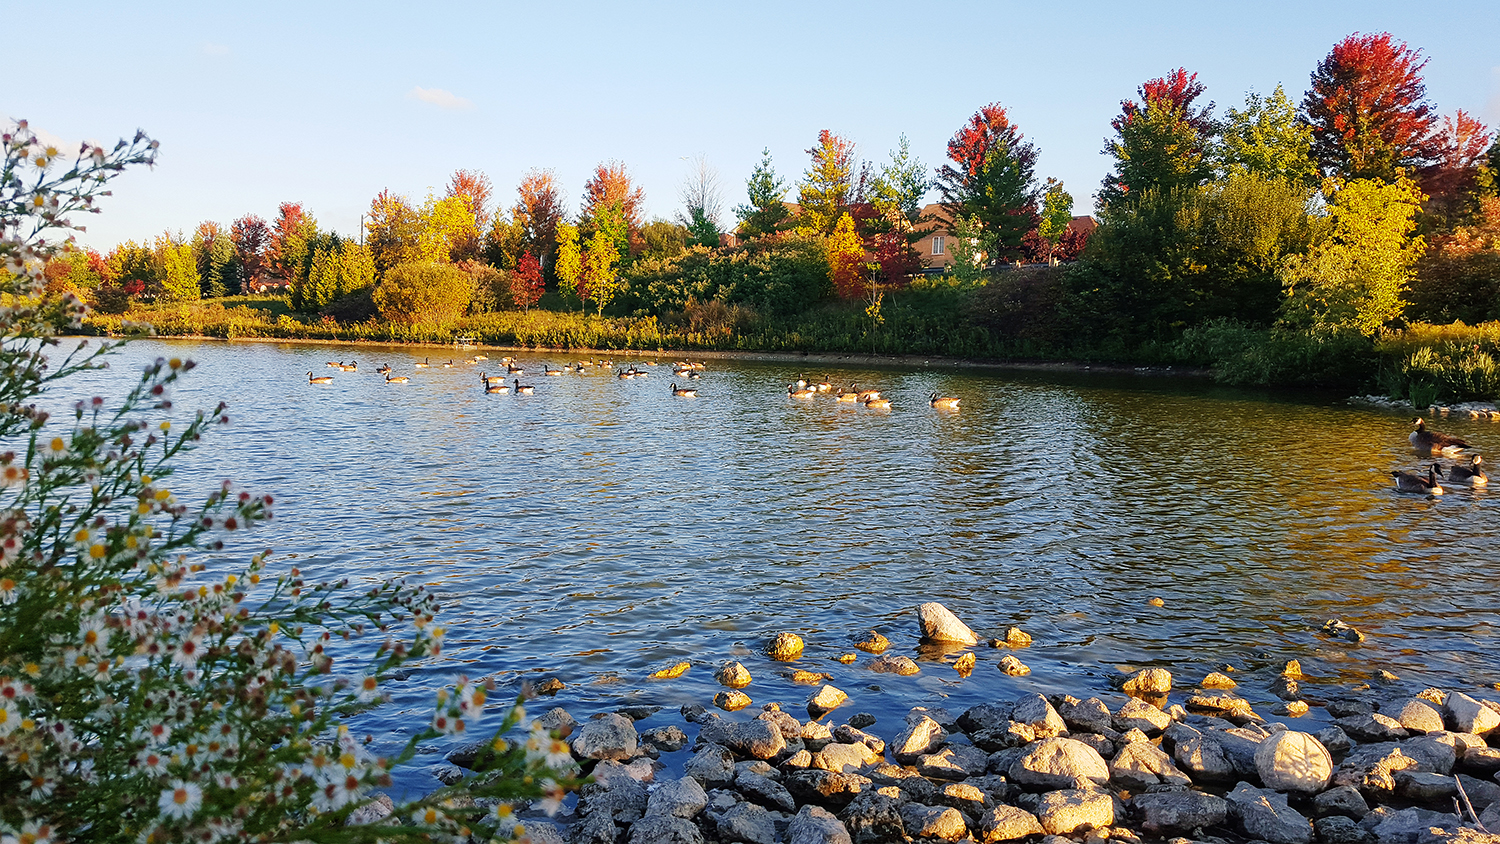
[(802, 389), (1431, 443)]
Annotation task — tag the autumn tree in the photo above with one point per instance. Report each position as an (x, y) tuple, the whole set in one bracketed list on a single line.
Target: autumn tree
[(526, 281), (600, 281), (702, 204), (449, 233), (423, 293), (251, 237), (1368, 109), (990, 178), (1056, 214), (1269, 139), (612, 204), (1458, 178), (1459, 277), (828, 189), (177, 271), (393, 231), (1161, 142), (214, 253), (474, 186), (766, 212), (538, 211), (287, 251), (846, 259), (569, 260)]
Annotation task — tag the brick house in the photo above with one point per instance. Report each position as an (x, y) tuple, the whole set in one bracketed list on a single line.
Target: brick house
[(934, 245)]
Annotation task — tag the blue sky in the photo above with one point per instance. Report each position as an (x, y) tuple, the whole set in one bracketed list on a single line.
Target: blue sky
[(328, 103)]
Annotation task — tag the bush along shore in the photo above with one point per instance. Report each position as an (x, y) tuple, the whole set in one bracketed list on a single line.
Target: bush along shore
[(1168, 763)]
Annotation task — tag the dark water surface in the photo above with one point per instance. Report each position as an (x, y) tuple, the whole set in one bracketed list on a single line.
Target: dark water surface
[(602, 529)]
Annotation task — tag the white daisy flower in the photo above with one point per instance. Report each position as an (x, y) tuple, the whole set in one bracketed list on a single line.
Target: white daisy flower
[(180, 800)]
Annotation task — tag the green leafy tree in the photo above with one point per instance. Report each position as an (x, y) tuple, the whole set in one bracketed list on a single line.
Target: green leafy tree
[(1356, 276), (1162, 143), (214, 252), (897, 190), (766, 212), (827, 189), (177, 270), (990, 177), (1057, 213), (702, 204), (393, 231), (969, 251), (661, 239), (424, 293), (569, 261), (1267, 138)]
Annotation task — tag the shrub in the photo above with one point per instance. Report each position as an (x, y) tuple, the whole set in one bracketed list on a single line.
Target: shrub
[(420, 293)]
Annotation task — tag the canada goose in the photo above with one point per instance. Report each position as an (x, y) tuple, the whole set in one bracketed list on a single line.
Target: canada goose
[(802, 392), (512, 369), (624, 373), (682, 371), (1425, 440), (1472, 474), (1412, 482), (396, 379), (351, 366), (449, 364), (694, 374), (878, 403), (501, 387), (384, 368), (481, 357), (685, 392), (800, 382), (423, 365), (524, 389), (943, 401), (823, 386), (867, 396), (549, 371), (490, 380), (321, 379), (847, 395), (332, 365)]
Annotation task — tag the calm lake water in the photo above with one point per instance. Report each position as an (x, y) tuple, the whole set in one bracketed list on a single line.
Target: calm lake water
[(601, 529)]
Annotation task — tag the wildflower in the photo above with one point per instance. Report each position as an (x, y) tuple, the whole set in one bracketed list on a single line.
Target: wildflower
[(35, 832), (559, 755), (428, 816), (12, 476), (152, 761), (180, 800), (93, 635), (368, 688), (7, 590), (10, 718), (55, 448), (552, 797), (187, 652)]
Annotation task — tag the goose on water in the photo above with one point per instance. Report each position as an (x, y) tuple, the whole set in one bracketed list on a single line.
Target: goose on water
[(351, 366), (396, 379), (512, 369), (489, 380), (1425, 440), (524, 389), (823, 386), (500, 387), (424, 364), (383, 368), (847, 395), (1412, 482), (802, 392), (878, 403), (948, 402), (321, 379), (1472, 474), (684, 392)]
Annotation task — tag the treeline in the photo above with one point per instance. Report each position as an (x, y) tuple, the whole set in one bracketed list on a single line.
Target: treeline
[(1279, 242)]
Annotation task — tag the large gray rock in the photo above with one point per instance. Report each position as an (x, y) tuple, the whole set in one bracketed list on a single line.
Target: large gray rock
[(984, 716), (1264, 814), (747, 823), (1036, 712), (1170, 813), (1471, 716), (607, 736), (825, 788), (1426, 788), (845, 758), (684, 798), (941, 823), (816, 825), (1140, 765), (1405, 826), (874, 818), (953, 763), (1007, 823), (712, 766), (1200, 755), (1371, 768), (967, 798), (921, 736), (1372, 727), (1089, 715), (764, 790), (1293, 761), (665, 829), (1137, 714), (1341, 800), (757, 738), (1420, 716), (940, 625), (1337, 829), (825, 700), (1435, 753), (621, 799), (1071, 810), (1058, 763)]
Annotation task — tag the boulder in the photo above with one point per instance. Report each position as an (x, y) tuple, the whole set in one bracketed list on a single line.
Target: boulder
[(1265, 815), (1073, 810), (1373, 727), (1405, 826), (825, 788), (1293, 761), (851, 735), (1341, 800), (764, 790), (785, 647), (790, 727), (940, 625), (984, 716), (1148, 681), (1433, 753), (967, 798), (1420, 716), (1058, 763), (732, 674), (1034, 711), (920, 737), (953, 763), (607, 736), (825, 700), (816, 825), (1426, 788), (901, 665), (1337, 829), (1140, 765), (1169, 813), (683, 798), (621, 799), (1139, 715), (1371, 768), (940, 823), (874, 818), (664, 829), (557, 720), (1007, 823), (747, 823), (872, 642), (1471, 716), (668, 739), (712, 766), (845, 758), (1089, 715), (1200, 755), (1013, 667)]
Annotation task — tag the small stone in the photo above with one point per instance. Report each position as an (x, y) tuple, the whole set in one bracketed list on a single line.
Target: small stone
[(1385, 676), (732, 701), (1036, 712), (873, 642), (664, 829), (941, 823), (1339, 630), (825, 700), (848, 658), (901, 665), (1090, 715), (1292, 668), (941, 625), (845, 758), (964, 665), (1015, 637), (764, 790), (860, 720), (1285, 688), (1216, 680), (1013, 667), (1338, 829), (1157, 602), (1139, 715), (1150, 681), (921, 736), (1372, 727), (1341, 800), (852, 735), (550, 686), (733, 675), (785, 647), (1292, 709), (1224, 706), (637, 712), (712, 766), (671, 671), (809, 678)]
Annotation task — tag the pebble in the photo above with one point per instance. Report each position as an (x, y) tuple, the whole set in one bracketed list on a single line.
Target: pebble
[(1015, 637), (1012, 666), (732, 701), (785, 647), (964, 665), (671, 671), (873, 642)]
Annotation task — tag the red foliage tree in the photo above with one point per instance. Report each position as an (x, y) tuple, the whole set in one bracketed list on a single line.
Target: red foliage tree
[(1162, 141), (1368, 109), (897, 260), (474, 186), (526, 282), (1451, 182), (251, 236), (611, 184), (991, 178), (1175, 92), (290, 219)]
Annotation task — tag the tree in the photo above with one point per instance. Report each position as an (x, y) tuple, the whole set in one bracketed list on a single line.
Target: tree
[(423, 293), (287, 251), (897, 190), (1057, 213), (1456, 181), (827, 189), (1356, 275), (449, 233), (766, 212), (600, 282), (990, 178), (968, 250), (393, 232), (474, 187), (702, 204), (526, 282), (846, 259), (661, 239), (613, 203), (538, 211), (1459, 277), (1268, 139), (569, 260), (215, 255), (504, 243), (176, 269), (1161, 142), (897, 260), (1368, 111), (251, 237)]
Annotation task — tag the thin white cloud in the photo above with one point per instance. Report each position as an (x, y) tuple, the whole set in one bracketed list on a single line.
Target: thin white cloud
[(211, 49), (439, 98)]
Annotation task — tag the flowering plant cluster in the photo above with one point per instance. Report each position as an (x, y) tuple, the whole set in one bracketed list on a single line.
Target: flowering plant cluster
[(147, 697)]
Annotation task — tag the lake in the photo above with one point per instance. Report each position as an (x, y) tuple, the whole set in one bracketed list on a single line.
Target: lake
[(602, 528)]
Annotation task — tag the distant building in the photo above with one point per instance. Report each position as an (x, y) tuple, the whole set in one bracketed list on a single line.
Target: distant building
[(935, 247)]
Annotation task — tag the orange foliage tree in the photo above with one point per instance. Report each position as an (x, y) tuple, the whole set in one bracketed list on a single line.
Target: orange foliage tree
[(1368, 109), (846, 259), (609, 192)]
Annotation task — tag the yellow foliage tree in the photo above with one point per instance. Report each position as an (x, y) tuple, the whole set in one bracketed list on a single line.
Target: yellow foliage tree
[(178, 270), (846, 259), (1356, 275), (569, 261), (601, 282), (423, 293), (449, 231)]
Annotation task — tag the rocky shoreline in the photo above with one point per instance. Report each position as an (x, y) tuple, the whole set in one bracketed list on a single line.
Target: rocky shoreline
[(1172, 762)]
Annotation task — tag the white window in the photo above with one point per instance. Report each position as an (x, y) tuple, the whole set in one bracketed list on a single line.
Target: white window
[(937, 245)]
